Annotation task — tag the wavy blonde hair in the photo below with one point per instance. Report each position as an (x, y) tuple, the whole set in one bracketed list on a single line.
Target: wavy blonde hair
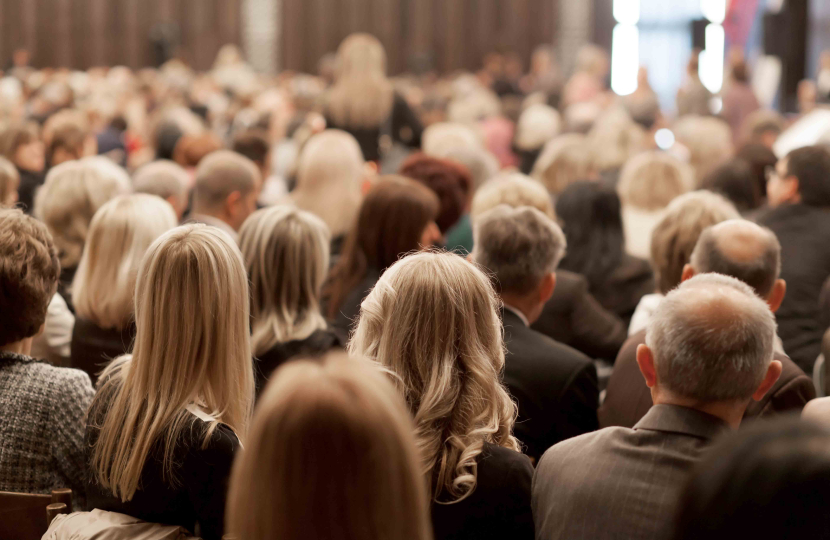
[(191, 347), (286, 253), (308, 409), (563, 161), (119, 235), (651, 180), (432, 320)]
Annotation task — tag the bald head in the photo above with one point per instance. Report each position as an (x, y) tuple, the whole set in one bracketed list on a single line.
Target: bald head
[(740, 249), (219, 175)]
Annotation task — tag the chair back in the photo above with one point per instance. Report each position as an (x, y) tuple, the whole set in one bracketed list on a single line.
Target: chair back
[(26, 516)]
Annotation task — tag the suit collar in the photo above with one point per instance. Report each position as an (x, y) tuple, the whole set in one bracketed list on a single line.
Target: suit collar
[(516, 314), (683, 420)]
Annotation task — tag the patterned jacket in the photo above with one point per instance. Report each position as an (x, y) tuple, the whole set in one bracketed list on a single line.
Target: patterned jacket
[(42, 421)]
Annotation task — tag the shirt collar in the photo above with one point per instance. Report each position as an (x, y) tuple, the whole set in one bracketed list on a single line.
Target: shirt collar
[(518, 314), (683, 420), (215, 222)]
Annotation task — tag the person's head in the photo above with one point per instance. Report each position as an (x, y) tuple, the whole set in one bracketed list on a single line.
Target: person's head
[(481, 164), (651, 180), (227, 187), (71, 195), (309, 410), (537, 125), (512, 189), (735, 181), (432, 320), (521, 247), (710, 341), (165, 179), (286, 253), (450, 181), (397, 216), (442, 135), (120, 232), (768, 480), (29, 271), (9, 182), (745, 251), (563, 161), (708, 139), (615, 138), (254, 145), (591, 219), (68, 137), (192, 345), (675, 236), (763, 127), (803, 176), (20, 143), (760, 160), (362, 96), (192, 149)]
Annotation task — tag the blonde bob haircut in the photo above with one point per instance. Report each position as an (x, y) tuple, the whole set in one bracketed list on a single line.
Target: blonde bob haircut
[(514, 190), (563, 161), (119, 235), (72, 193), (651, 180), (308, 411), (192, 348), (286, 253), (432, 321)]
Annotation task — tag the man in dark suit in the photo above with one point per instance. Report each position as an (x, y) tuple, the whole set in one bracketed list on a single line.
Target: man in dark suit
[(555, 386), (708, 354), (799, 197), (745, 251)]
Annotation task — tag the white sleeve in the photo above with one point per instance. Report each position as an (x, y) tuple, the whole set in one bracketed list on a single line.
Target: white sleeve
[(59, 324)]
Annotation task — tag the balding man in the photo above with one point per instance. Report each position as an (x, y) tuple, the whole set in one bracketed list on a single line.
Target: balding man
[(708, 353), (165, 179), (745, 251), (226, 191)]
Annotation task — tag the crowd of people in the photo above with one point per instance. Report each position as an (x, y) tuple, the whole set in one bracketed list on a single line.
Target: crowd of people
[(346, 305)]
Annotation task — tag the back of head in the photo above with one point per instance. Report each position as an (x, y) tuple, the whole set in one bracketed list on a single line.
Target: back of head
[(735, 181), (450, 181), (712, 339), (615, 138), (767, 480), (29, 270), (740, 249), (708, 139), (15, 135), (286, 253), (432, 320), (481, 164), (675, 237), (537, 125), (760, 158), (309, 411), (66, 135), (512, 189), (119, 235), (811, 165), (330, 160), (762, 126), (362, 97), (443, 135), (563, 161), (220, 174), (651, 180), (254, 145), (192, 149), (162, 178), (520, 246)]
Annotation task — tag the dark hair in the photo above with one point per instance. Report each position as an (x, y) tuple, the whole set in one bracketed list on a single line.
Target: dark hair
[(811, 165), (390, 223), (29, 271), (167, 136), (759, 158), (735, 181), (768, 480), (15, 136), (252, 144), (68, 137), (740, 72), (449, 180), (591, 220)]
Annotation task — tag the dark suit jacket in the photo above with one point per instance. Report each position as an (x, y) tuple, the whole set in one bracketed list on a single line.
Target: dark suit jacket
[(554, 385), (804, 233), (621, 290), (573, 317), (618, 482), (628, 399), (93, 347)]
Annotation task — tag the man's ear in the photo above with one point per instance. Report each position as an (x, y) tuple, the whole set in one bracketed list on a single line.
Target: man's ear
[(773, 372), (547, 287), (645, 359), (792, 189), (688, 273), (776, 295), (232, 202)]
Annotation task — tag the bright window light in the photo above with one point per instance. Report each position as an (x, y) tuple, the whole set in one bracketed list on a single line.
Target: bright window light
[(714, 10), (627, 11), (711, 60), (625, 59)]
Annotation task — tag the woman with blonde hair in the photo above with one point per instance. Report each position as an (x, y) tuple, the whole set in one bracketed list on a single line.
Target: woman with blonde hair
[(286, 253), (307, 410), (166, 421), (9, 183), (563, 161), (104, 285), (364, 103), (432, 320)]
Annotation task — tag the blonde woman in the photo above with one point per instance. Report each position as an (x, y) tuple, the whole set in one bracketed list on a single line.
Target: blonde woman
[(104, 285), (563, 161), (9, 183), (286, 253), (432, 320), (372, 489), (167, 420), (364, 103)]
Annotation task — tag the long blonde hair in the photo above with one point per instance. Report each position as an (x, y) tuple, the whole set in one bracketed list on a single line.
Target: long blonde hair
[(362, 96), (191, 347), (433, 321), (287, 485), (286, 253), (119, 235)]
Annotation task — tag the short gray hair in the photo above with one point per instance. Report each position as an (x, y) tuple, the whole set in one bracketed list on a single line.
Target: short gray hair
[(162, 178), (518, 245), (221, 173), (712, 339)]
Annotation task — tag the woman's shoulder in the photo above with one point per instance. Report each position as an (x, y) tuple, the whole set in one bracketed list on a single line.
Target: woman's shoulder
[(498, 462)]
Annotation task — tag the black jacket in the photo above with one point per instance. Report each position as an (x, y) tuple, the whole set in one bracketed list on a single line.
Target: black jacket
[(621, 290), (349, 310), (29, 183), (555, 386), (317, 344), (93, 347)]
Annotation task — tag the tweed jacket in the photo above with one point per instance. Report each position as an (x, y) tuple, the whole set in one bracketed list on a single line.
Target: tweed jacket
[(42, 420)]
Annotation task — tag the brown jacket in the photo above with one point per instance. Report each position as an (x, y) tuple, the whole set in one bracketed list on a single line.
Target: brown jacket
[(628, 399)]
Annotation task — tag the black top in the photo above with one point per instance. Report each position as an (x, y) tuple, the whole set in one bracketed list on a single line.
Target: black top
[(317, 344), (405, 128), (29, 182), (350, 308), (555, 387), (804, 234), (500, 505), (93, 347), (65, 285), (197, 496), (621, 290)]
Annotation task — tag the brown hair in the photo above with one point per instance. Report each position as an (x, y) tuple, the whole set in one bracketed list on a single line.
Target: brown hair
[(68, 137), (450, 181), (15, 136), (391, 220), (252, 144), (191, 149), (9, 182), (29, 270)]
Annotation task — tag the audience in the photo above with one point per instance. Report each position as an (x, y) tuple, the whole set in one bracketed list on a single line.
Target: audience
[(563, 161), (708, 353), (538, 124), (20, 143), (167, 180), (432, 321)]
